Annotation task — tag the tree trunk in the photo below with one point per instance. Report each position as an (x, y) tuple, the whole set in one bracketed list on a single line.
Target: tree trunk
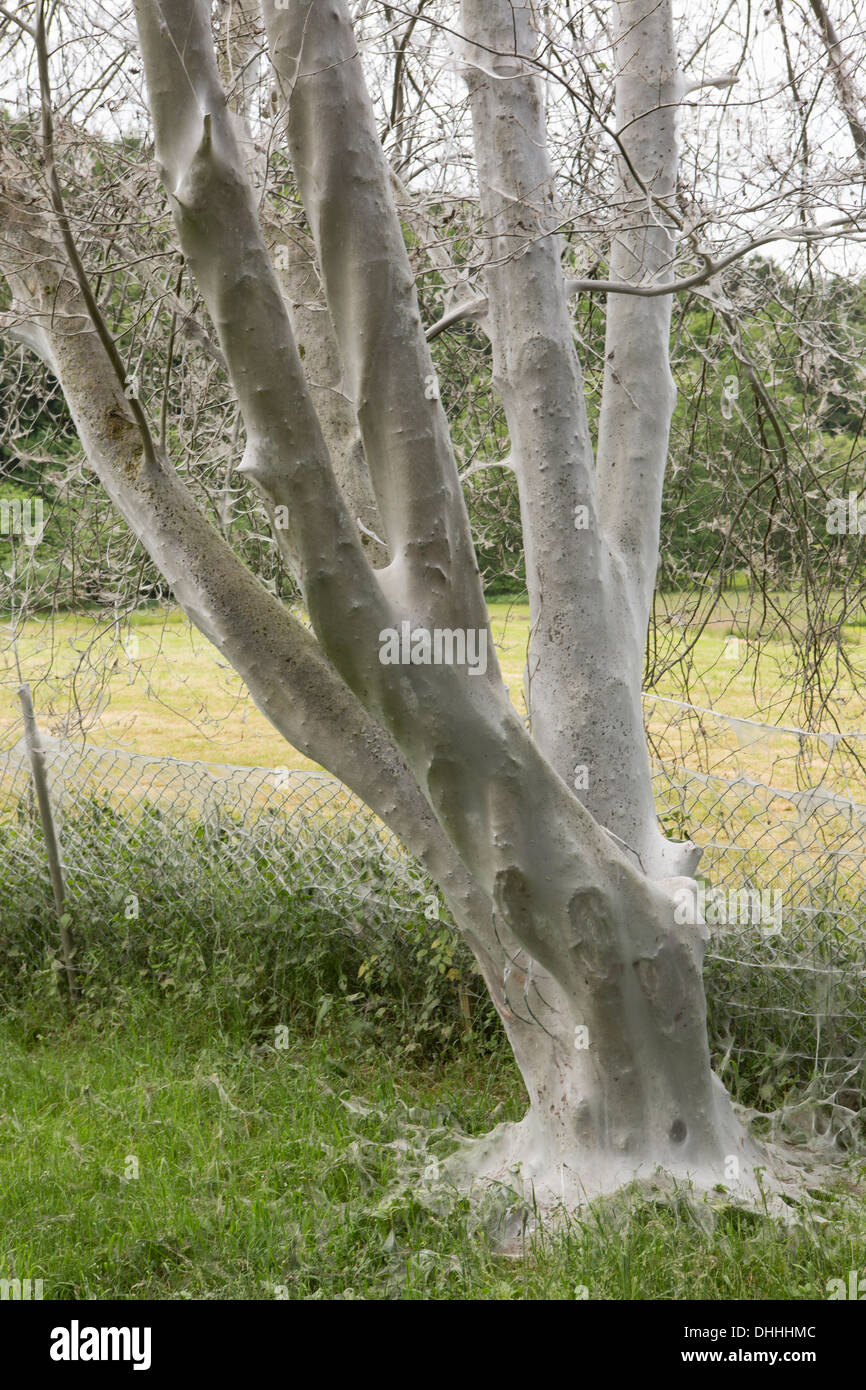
[(616, 1066), (564, 892)]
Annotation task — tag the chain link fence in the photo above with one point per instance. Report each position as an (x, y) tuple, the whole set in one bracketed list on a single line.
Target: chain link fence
[(780, 814)]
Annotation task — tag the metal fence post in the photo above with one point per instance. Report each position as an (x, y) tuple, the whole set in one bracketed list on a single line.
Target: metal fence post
[(52, 847)]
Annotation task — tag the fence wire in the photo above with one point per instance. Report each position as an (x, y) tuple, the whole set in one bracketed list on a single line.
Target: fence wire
[(780, 815)]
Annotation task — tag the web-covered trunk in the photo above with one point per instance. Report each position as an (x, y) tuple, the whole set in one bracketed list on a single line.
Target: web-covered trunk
[(544, 839)]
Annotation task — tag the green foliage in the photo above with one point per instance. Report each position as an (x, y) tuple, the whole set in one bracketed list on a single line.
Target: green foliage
[(233, 926), (235, 930)]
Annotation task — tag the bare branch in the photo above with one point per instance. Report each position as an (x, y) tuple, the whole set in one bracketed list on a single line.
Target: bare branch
[(477, 308), (21, 23), (346, 187), (99, 324)]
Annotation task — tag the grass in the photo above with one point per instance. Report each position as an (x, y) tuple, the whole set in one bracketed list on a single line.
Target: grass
[(264, 1172), (167, 692), (261, 1174)]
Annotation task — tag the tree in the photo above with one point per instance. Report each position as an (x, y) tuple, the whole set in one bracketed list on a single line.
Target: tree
[(542, 835)]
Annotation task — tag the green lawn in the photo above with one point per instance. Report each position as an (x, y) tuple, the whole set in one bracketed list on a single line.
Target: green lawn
[(262, 1173)]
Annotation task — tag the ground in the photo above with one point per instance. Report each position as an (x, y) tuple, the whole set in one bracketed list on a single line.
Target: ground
[(261, 1174)]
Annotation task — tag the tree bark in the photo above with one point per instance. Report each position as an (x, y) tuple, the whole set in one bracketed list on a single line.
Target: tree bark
[(589, 581)]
